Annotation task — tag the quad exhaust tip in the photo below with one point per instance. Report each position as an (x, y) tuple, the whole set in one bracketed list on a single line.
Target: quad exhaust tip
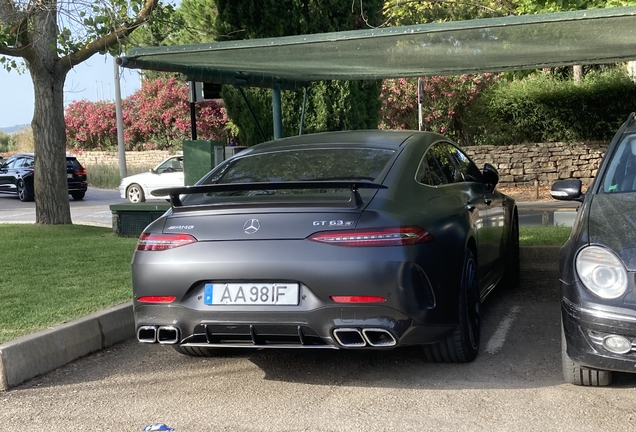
[(147, 334), (349, 337), (168, 335), (378, 337), (353, 337)]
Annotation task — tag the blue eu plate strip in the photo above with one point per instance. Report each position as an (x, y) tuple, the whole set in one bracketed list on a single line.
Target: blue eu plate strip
[(207, 295)]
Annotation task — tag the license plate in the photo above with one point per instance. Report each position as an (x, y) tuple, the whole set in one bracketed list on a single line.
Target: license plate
[(69, 175), (251, 294)]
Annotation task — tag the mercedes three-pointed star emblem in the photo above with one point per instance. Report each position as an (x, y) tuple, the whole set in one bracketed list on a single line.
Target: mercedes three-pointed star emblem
[(251, 226)]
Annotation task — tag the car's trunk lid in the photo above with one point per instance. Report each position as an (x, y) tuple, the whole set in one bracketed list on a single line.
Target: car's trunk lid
[(258, 225), (273, 210)]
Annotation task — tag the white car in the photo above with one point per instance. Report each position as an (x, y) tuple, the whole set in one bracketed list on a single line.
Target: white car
[(138, 187)]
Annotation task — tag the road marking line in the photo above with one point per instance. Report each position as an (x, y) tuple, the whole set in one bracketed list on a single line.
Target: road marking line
[(499, 337)]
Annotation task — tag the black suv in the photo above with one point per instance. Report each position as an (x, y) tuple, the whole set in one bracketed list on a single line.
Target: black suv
[(16, 175)]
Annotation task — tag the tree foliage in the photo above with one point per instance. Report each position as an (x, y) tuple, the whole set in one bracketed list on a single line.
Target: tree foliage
[(6, 143), (545, 108), (331, 105), (51, 37), (526, 7), (409, 12), (444, 103)]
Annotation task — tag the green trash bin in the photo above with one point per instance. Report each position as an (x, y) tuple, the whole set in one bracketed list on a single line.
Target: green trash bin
[(129, 220)]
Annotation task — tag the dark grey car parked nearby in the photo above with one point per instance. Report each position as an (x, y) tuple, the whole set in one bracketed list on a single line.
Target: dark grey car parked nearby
[(360, 239), (598, 268)]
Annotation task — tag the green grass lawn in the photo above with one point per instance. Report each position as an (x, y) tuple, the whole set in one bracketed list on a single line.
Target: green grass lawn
[(544, 236), (53, 274)]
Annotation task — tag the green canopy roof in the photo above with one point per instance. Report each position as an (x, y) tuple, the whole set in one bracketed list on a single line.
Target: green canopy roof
[(450, 48)]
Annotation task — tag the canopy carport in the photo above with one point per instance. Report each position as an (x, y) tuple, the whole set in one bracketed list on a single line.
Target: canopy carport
[(449, 48)]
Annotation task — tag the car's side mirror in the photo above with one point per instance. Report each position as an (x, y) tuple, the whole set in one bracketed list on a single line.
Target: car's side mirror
[(491, 176), (567, 190), (152, 171)]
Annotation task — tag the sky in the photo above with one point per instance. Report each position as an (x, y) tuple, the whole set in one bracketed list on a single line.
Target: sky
[(92, 80)]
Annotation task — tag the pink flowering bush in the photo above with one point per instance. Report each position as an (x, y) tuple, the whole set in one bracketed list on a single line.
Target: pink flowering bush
[(157, 117), (445, 99), (91, 125)]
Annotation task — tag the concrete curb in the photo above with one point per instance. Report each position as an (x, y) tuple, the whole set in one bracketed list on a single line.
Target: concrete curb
[(29, 356)]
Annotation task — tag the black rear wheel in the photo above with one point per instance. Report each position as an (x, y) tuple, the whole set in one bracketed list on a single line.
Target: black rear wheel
[(24, 192), (462, 345), (77, 196)]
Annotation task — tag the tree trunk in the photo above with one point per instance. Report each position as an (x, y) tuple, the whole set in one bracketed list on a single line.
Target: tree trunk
[(49, 130), (49, 136)]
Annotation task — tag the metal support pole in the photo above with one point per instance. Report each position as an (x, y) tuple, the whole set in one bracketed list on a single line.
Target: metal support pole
[(302, 113), (277, 112), (193, 121), (194, 97), (121, 145), (420, 101)]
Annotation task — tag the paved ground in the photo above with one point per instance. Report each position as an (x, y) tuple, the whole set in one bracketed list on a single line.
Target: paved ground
[(92, 210)]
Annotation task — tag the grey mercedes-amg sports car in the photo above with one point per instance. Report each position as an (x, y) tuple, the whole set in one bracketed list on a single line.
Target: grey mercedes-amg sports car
[(350, 240)]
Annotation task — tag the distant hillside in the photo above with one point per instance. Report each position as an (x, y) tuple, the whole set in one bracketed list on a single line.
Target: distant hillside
[(14, 129)]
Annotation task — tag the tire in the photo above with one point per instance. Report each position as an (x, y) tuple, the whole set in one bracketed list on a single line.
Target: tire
[(195, 351), (24, 194), (78, 196), (512, 277), (135, 194), (574, 373), (462, 345)]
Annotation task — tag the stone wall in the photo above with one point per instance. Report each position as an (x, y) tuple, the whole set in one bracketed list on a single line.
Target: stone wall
[(518, 165), (521, 165), (143, 159)]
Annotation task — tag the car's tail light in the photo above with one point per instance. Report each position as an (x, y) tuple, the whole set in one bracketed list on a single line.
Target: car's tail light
[(81, 171), (358, 299), (160, 242), (156, 299), (396, 236)]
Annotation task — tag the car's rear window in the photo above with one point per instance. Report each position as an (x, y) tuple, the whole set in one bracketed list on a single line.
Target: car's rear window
[(316, 164), (304, 165), (72, 163)]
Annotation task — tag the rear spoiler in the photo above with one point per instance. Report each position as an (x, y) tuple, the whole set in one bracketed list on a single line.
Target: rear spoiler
[(354, 200)]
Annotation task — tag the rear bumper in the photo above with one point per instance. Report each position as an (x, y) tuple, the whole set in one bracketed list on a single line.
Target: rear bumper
[(586, 326), (76, 186), (335, 327), (420, 287)]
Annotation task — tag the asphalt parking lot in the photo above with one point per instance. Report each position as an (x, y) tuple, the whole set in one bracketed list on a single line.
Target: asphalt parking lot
[(515, 383), (92, 210)]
